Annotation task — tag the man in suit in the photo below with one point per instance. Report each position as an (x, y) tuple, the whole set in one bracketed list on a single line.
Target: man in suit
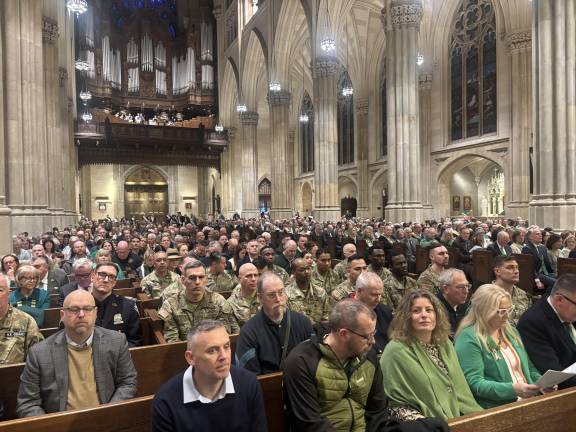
[(547, 329), (544, 275), (82, 271), (500, 246), (81, 366), (50, 280)]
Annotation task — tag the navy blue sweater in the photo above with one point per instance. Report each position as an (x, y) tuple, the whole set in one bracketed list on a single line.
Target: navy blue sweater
[(242, 411)]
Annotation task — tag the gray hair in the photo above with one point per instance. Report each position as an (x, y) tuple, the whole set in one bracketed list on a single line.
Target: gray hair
[(345, 313), (47, 261), (447, 276), (501, 233), (81, 262), (202, 327), (264, 280), (192, 265), (6, 279), (564, 284), (366, 279)]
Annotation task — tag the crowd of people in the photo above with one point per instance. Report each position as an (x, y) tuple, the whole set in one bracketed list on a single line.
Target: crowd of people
[(363, 341)]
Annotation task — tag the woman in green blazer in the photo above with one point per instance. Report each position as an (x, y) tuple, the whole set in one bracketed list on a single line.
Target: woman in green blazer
[(491, 352)]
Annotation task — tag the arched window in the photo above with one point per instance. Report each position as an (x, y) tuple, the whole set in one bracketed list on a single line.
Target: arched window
[(306, 119), (473, 70), (384, 120), (265, 195), (345, 121)]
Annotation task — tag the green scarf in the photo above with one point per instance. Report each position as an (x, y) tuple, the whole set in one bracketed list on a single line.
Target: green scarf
[(412, 379)]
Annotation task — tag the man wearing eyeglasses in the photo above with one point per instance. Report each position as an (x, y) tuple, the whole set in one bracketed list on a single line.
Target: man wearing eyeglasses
[(81, 366), (507, 275), (547, 329), (82, 271), (115, 312), (453, 295)]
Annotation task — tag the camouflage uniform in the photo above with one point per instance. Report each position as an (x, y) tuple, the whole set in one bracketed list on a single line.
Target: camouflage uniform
[(394, 290), (173, 289), (243, 308), (221, 282), (329, 281), (18, 332), (283, 274), (521, 303), (314, 303), (180, 315), (154, 286), (343, 290), (429, 280), (384, 273), (340, 269)]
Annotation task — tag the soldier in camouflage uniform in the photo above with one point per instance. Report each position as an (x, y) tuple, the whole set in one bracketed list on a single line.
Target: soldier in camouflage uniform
[(156, 282), (507, 276), (18, 330), (244, 299), (430, 278), (323, 275), (348, 250), (194, 304), (219, 280), (267, 254), (356, 265), (398, 283), (377, 261), (306, 297)]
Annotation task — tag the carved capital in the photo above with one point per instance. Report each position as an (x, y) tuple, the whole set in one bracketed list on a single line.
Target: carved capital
[(279, 98), (62, 76), (425, 81), (519, 41), (249, 118), (361, 105), (49, 30), (406, 13), (325, 66)]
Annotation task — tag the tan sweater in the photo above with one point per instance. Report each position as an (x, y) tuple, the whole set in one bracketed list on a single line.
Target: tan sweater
[(82, 391)]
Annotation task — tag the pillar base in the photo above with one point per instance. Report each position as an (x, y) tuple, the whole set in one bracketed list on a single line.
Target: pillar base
[(327, 214), (281, 213), (404, 213), (518, 209), (6, 231), (551, 211)]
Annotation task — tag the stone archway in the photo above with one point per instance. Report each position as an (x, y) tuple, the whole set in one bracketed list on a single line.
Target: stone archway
[(145, 193), (306, 199)]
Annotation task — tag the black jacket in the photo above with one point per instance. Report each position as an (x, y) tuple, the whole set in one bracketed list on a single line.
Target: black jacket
[(65, 290), (383, 320), (455, 316), (547, 341), (495, 249), (540, 253), (120, 314)]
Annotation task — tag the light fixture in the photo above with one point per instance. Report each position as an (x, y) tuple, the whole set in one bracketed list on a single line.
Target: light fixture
[(87, 117), (419, 59), (275, 86), (219, 128), (328, 44), (303, 118), (347, 91), (85, 95), (77, 6), (82, 65), (241, 108)]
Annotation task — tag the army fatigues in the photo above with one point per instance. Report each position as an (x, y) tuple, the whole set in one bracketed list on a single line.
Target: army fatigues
[(314, 303), (343, 290), (18, 332), (329, 281), (521, 303), (221, 282), (173, 289), (180, 315), (394, 290), (243, 308), (429, 280), (154, 285), (340, 269), (384, 273), (282, 274)]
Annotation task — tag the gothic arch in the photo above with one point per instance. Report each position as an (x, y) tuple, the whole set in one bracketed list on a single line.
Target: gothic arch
[(253, 61), (307, 199), (347, 186), (229, 93)]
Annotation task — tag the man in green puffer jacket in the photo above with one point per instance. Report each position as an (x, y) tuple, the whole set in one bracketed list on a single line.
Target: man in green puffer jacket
[(334, 383)]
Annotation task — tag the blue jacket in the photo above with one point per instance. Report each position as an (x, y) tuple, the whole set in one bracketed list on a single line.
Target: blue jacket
[(33, 305)]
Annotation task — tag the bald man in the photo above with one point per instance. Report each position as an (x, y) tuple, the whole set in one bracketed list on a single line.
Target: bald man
[(125, 258), (62, 371), (243, 300)]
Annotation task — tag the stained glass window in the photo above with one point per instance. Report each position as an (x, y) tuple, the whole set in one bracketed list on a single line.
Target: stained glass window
[(345, 121), (473, 70), (307, 133)]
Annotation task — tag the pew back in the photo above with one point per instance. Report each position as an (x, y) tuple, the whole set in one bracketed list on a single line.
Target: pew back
[(566, 265)]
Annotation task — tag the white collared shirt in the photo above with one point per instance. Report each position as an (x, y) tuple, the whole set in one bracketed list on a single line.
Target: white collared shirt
[(86, 344), (191, 393)]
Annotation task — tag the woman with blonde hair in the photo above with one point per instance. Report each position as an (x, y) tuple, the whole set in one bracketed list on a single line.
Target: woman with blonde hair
[(491, 353), (105, 256), (569, 245), (422, 376), (27, 296)]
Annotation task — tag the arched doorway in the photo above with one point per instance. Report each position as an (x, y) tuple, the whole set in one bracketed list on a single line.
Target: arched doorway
[(145, 193), (473, 186), (306, 199), (265, 195), (348, 206)]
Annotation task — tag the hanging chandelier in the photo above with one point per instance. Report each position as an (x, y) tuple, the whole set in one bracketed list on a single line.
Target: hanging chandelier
[(328, 44), (347, 91), (77, 6), (241, 108), (85, 95), (87, 117), (275, 86), (219, 128), (303, 118)]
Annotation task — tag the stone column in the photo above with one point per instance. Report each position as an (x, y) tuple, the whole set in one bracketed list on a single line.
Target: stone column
[(554, 200), (203, 198), (361, 106), (249, 175), (225, 174), (282, 196), (235, 168), (5, 211), (425, 85), (404, 188), (326, 205), (520, 46)]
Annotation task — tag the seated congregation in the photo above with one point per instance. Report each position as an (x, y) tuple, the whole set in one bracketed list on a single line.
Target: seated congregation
[(255, 325)]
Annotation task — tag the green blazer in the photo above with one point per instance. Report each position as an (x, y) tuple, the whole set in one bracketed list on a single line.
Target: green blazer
[(412, 379), (486, 370)]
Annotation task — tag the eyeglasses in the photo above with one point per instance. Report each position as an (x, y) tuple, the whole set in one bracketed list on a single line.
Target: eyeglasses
[(77, 310), (82, 275), (367, 338), (104, 275), (273, 295), (567, 298), (28, 279), (505, 311), (463, 287)]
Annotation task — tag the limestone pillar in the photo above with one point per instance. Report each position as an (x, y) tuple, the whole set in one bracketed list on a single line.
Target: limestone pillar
[(282, 196), (554, 199), (425, 100), (5, 211), (249, 176), (520, 46), (361, 106), (225, 174), (203, 198), (326, 205), (404, 188), (235, 169)]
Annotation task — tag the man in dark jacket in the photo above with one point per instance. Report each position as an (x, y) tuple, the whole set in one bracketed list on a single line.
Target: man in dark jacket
[(335, 383)]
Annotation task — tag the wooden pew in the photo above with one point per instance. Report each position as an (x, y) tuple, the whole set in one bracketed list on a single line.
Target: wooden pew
[(566, 265), (54, 300), (481, 268), (399, 248), (454, 254), (123, 283), (51, 317), (127, 292), (361, 247), (422, 259), (527, 267)]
